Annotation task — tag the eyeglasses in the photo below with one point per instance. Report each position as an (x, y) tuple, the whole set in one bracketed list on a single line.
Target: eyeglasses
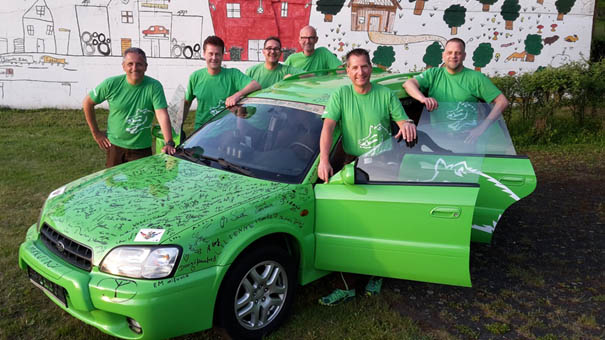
[(308, 38), (269, 49)]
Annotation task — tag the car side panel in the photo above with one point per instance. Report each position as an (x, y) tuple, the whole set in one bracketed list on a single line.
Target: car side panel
[(417, 232)]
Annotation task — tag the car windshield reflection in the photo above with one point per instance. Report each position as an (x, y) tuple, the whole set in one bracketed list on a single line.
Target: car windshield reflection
[(261, 139), (445, 150)]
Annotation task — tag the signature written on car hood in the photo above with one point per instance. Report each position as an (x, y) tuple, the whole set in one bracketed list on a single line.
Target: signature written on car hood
[(158, 193)]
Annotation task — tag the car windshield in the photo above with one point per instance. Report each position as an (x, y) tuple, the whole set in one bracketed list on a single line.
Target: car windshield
[(451, 145), (262, 138)]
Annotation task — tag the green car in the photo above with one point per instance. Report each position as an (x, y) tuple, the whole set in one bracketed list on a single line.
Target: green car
[(226, 229)]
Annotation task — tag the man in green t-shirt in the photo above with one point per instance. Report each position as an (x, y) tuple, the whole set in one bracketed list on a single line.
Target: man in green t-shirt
[(271, 71), (364, 112), (455, 83), (311, 58), (214, 84), (133, 100)]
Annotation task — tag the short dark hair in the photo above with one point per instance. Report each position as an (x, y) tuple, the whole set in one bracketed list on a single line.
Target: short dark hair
[(359, 52), (272, 38), (136, 50), (215, 41), (458, 40)]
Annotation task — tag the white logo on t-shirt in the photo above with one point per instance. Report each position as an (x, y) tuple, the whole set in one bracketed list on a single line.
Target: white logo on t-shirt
[(375, 136), (139, 121)]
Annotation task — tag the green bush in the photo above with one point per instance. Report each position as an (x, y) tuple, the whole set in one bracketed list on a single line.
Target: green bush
[(537, 99)]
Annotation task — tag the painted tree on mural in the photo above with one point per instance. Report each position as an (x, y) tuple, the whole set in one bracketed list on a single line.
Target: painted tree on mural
[(419, 6), (533, 46), (564, 6), (454, 17), (483, 55), (432, 56), (510, 12), (486, 4), (329, 8), (384, 56)]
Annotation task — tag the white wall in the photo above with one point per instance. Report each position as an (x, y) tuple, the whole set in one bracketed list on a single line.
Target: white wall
[(58, 63)]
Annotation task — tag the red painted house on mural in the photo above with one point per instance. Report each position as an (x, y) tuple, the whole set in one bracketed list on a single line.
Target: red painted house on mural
[(245, 24)]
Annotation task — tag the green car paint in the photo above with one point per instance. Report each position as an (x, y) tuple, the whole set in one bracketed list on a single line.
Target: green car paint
[(397, 231), (246, 182)]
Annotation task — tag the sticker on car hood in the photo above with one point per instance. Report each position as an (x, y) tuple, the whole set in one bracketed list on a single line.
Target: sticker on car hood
[(149, 235)]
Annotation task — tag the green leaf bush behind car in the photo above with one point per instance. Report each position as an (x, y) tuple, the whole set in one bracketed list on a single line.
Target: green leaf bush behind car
[(538, 96)]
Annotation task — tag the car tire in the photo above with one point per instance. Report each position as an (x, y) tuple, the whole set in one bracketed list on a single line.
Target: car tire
[(257, 293)]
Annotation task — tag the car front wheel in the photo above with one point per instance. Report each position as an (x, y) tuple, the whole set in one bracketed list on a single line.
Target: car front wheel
[(257, 293)]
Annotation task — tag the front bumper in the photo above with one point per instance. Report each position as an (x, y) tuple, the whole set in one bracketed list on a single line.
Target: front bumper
[(164, 308)]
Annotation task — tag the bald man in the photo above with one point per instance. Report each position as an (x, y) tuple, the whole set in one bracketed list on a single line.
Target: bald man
[(311, 58)]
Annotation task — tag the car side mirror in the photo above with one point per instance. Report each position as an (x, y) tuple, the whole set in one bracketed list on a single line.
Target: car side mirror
[(345, 176)]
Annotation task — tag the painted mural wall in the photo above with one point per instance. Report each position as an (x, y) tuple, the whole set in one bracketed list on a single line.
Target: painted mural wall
[(52, 52)]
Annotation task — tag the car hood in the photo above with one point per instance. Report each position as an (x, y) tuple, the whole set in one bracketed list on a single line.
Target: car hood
[(158, 194)]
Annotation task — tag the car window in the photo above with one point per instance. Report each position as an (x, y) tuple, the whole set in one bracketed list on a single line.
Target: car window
[(443, 151), (450, 124), (271, 140)]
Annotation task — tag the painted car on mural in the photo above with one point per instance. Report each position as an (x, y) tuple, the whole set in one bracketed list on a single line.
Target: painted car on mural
[(156, 30), (226, 229)]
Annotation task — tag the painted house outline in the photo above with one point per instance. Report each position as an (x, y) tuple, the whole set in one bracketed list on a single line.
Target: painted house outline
[(39, 29), (373, 15), (245, 24), (126, 23)]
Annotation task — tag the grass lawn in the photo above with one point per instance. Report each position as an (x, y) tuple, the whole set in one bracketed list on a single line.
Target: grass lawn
[(541, 279)]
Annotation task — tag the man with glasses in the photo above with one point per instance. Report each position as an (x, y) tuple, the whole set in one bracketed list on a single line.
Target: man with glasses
[(271, 71), (311, 58)]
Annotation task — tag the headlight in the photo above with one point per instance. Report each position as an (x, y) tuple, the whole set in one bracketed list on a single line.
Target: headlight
[(141, 262), (53, 194)]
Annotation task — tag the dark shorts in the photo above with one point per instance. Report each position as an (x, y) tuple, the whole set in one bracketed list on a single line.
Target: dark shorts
[(117, 155)]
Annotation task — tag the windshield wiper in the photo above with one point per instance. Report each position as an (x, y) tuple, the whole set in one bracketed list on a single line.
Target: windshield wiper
[(190, 155), (196, 155), (231, 166)]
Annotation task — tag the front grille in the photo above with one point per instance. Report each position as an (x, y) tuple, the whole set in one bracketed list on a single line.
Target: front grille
[(71, 251)]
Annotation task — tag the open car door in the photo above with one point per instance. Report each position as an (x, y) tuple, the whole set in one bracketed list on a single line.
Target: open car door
[(411, 211), (370, 219)]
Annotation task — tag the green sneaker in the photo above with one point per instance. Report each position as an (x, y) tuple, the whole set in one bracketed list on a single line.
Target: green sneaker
[(336, 297), (373, 286)]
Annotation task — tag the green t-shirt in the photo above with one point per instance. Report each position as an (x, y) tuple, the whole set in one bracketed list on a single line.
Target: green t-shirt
[(210, 90), (266, 77), (131, 109), (451, 91), (365, 119), (465, 86), (321, 59)]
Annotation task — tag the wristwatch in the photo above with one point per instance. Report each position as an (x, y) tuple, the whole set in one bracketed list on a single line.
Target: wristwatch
[(170, 143)]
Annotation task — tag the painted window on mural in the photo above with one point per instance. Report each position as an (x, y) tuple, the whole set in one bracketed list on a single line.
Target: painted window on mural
[(30, 29), (233, 11), (49, 30), (40, 10), (127, 17), (284, 9)]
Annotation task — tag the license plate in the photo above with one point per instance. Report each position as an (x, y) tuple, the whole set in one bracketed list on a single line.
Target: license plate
[(47, 285)]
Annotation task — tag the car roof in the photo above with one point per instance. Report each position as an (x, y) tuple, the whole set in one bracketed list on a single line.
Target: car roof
[(316, 87)]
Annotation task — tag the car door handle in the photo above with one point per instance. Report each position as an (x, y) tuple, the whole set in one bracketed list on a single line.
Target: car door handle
[(512, 180), (445, 212)]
